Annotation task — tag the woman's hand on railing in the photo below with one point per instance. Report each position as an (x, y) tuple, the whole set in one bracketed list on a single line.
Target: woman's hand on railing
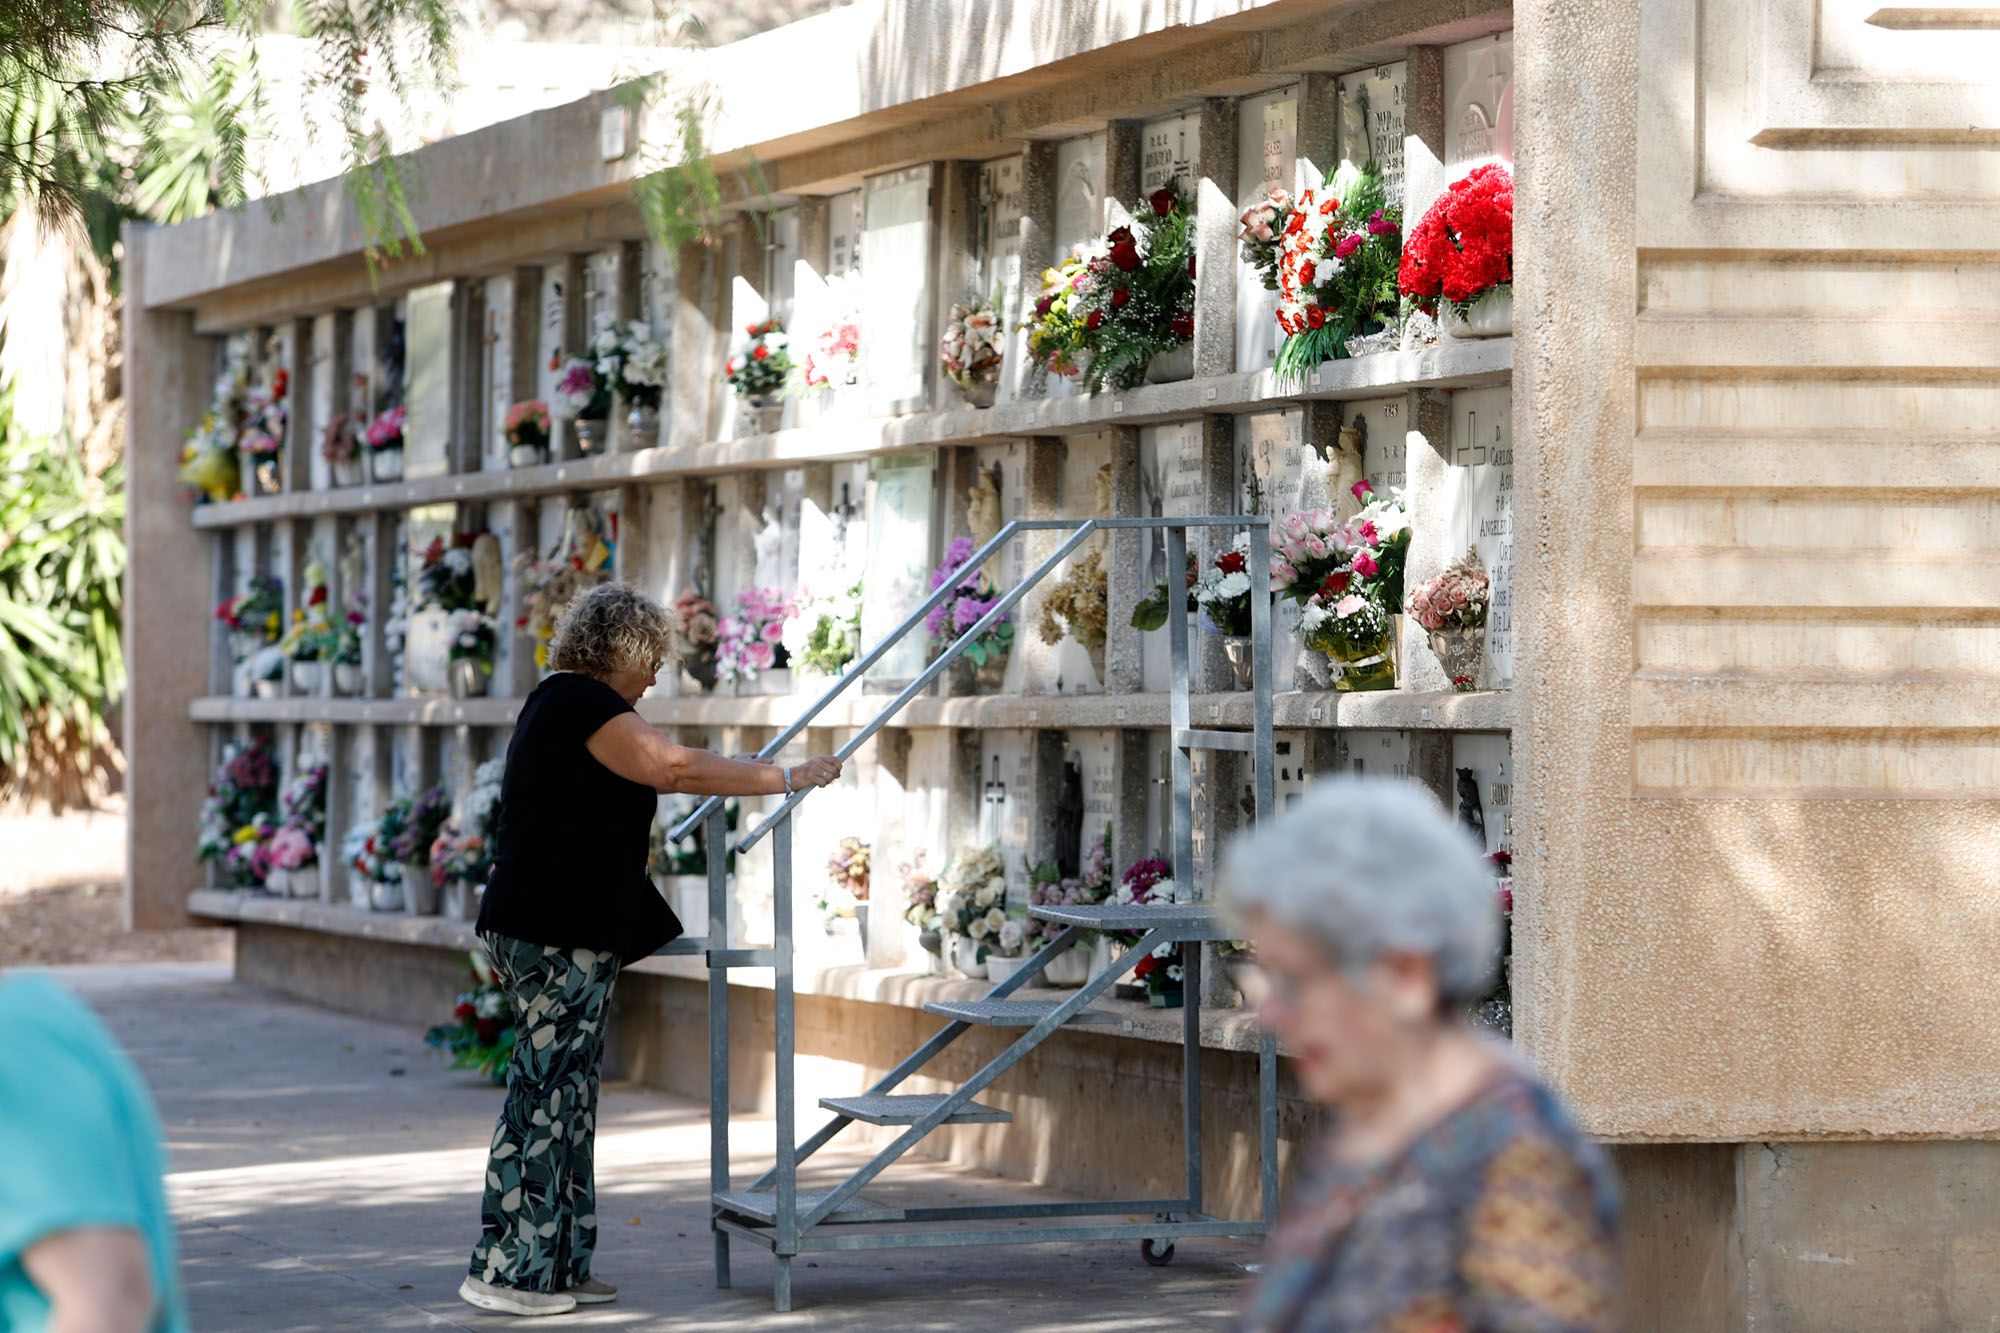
[(819, 771)]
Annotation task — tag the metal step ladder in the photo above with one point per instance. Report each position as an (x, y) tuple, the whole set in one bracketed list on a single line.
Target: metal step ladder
[(772, 1212)]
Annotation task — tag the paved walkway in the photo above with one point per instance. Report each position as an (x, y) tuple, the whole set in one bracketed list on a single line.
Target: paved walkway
[(326, 1173)]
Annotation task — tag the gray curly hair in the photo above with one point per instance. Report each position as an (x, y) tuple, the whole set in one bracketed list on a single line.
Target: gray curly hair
[(1368, 866), (614, 627)]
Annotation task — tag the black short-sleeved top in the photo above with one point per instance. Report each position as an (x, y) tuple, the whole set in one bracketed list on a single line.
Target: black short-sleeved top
[(570, 840)]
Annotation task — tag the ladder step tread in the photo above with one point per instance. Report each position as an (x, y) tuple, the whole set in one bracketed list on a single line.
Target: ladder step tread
[(762, 1205), (1208, 738), (1172, 917), (882, 1108), (1010, 1013)]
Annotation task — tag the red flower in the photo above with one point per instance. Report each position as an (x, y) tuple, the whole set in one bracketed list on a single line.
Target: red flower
[(1329, 207), (464, 1011), (1126, 256), (279, 383), (487, 1028), (1335, 583), (1369, 531), (1182, 325), (1042, 306), (1306, 271), (1362, 490), (1120, 236), (1231, 562), (760, 352), (1094, 320), (1119, 297), (1145, 967), (752, 330), (318, 597), (1348, 245), (1296, 224), (1190, 266), (1365, 566), (1315, 316), (1162, 200)]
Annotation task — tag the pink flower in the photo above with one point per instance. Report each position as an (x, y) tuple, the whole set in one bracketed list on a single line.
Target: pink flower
[(1348, 245), (1349, 604), (1295, 524), (1365, 566), (1369, 532), (1362, 490), (760, 655), (1315, 548), (774, 632)]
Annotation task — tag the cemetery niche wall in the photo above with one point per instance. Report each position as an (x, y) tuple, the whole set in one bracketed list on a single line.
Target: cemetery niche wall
[(1067, 285), (790, 434)]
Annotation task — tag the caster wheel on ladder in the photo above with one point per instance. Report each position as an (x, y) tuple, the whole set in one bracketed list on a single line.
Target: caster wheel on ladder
[(1155, 1252)]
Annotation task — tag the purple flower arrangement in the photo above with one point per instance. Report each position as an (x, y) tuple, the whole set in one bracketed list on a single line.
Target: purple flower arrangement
[(971, 598), (752, 640)]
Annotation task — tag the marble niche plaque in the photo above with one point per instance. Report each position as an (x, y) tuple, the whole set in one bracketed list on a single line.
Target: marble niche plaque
[(1479, 104), (1167, 153), (1479, 510), (843, 234), (496, 366), (899, 559), (1080, 220), (1278, 475), (1383, 423), (1095, 751), (1000, 211), (1372, 121), (427, 395), (895, 301), (1267, 135), (1483, 778), (1170, 483), (1007, 802)]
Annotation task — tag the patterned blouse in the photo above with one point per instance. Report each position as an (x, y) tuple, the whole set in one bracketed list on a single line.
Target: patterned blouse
[(1501, 1218)]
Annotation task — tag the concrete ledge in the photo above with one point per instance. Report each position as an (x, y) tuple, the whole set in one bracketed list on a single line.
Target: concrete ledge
[(1446, 366), (1390, 710), (905, 988)]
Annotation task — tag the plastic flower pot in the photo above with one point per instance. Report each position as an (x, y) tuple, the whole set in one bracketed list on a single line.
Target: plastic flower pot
[(467, 678), (308, 677), (526, 455), (1071, 967), (386, 465), (1169, 367), (349, 472), (420, 891), (386, 895), (305, 881), (346, 679), (1491, 316), (965, 957), (999, 969), (1462, 654), (1236, 647)]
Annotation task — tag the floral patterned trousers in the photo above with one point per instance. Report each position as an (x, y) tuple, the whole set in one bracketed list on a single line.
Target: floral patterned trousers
[(538, 1218)]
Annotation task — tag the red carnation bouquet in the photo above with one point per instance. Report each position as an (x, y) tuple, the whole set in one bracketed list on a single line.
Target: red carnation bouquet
[(1464, 247), (1336, 269)]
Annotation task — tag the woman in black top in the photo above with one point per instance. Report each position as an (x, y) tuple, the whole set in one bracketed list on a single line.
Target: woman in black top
[(568, 903)]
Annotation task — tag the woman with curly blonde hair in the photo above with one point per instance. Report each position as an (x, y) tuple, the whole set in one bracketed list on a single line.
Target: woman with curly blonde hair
[(568, 903)]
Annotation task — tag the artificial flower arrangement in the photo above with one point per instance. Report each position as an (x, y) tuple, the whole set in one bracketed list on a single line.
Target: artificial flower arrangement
[(920, 893), (364, 851), (1128, 300), (208, 454), (972, 596), (480, 1034), (826, 633), (1090, 886), (445, 577), (971, 904), (753, 640), (1383, 525), (971, 350), (1496, 1008), (340, 446), (1463, 248), (385, 432), (700, 636), (1146, 883), (630, 360), (1452, 609), (580, 560), (527, 432), (835, 353), (580, 393), (1336, 576), (239, 815), (760, 366), (294, 849), (1077, 606), (461, 858), (846, 880), (262, 435), (1260, 232), (1336, 269), (1221, 593), (256, 614), (1054, 328), (417, 821), (473, 639)]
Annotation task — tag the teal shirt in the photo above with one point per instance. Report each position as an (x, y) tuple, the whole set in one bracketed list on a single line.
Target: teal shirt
[(79, 1145)]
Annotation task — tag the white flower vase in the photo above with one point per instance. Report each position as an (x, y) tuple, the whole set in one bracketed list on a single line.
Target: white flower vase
[(346, 679), (348, 472), (386, 895), (776, 680), (308, 677), (1071, 967), (525, 455), (1491, 316), (999, 969), (965, 957), (386, 465), (591, 434), (1102, 954), (278, 882), (360, 891), (1170, 367), (267, 689), (468, 678), (642, 427), (420, 891), (305, 881), (461, 900)]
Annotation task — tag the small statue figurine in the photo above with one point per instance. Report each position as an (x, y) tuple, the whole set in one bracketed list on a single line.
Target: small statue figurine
[(1069, 820), (982, 507), (1470, 812), (767, 544), (489, 572), (1346, 468)]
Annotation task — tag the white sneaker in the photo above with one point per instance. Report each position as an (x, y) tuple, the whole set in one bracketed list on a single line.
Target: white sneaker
[(592, 1292), (510, 1300)]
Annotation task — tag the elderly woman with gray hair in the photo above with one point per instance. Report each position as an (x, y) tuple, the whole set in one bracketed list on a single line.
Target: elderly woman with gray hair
[(568, 903), (1452, 1192)]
